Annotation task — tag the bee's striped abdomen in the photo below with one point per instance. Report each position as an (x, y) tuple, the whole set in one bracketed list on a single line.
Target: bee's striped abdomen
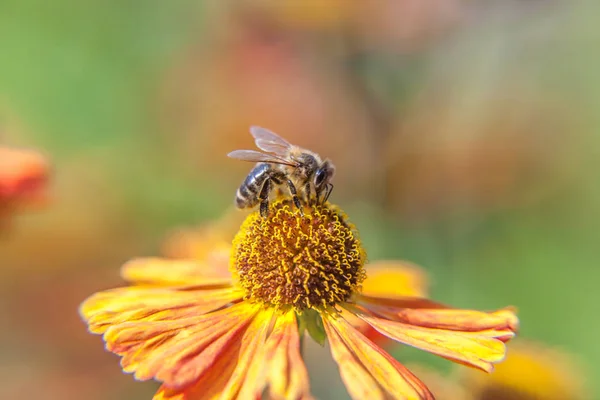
[(247, 193)]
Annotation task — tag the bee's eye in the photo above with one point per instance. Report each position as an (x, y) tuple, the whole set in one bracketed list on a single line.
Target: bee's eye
[(320, 176)]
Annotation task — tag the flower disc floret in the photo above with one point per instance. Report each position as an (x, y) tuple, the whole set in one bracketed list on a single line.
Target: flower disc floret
[(306, 262)]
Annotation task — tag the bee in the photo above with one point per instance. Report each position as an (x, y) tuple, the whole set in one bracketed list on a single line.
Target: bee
[(302, 171)]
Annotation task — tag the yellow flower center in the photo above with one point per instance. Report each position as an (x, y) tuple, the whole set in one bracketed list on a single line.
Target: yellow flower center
[(310, 261)]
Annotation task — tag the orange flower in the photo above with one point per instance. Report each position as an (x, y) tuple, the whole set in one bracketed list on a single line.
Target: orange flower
[(206, 336), (23, 175)]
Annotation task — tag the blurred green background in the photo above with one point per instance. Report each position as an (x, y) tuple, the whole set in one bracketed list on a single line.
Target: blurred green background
[(465, 134)]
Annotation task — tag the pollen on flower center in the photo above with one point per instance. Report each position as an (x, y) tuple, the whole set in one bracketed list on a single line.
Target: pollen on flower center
[(309, 261)]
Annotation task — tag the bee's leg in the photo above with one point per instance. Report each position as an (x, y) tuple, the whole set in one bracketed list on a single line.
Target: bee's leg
[(307, 191), (295, 196), (263, 196)]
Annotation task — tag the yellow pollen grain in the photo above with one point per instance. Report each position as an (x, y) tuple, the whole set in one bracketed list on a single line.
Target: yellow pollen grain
[(288, 260)]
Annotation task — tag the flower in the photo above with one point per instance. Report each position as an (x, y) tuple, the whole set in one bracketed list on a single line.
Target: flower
[(207, 336), (23, 176)]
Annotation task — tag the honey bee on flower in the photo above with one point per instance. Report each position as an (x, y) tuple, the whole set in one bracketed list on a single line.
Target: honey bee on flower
[(207, 335), (301, 170)]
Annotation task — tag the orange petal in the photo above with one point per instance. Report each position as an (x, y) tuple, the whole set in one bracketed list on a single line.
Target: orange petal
[(232, 372), (210, 384), (247, 368), (367, 371), (168, 272), (392, 279), (178, 352), (286, 372), (116, 306), (479, 349), (461, 320), (399, 302), (208, 387), (367, 330)]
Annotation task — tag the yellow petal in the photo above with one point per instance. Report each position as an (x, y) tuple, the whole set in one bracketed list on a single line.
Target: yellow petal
[(479, 349), (368, 371), (168, 272), (393, 279), (116, 306)]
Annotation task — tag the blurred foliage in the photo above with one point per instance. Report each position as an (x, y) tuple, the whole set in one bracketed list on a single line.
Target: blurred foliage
[(137, 103)]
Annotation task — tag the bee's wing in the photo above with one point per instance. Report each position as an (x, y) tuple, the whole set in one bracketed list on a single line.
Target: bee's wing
[(269, 141), (257, 156)]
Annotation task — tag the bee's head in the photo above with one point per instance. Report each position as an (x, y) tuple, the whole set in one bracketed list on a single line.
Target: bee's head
[(323, 176)]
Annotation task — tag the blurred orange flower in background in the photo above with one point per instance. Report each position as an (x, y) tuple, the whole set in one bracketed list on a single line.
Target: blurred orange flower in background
[(204, 335), (23, 179)]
